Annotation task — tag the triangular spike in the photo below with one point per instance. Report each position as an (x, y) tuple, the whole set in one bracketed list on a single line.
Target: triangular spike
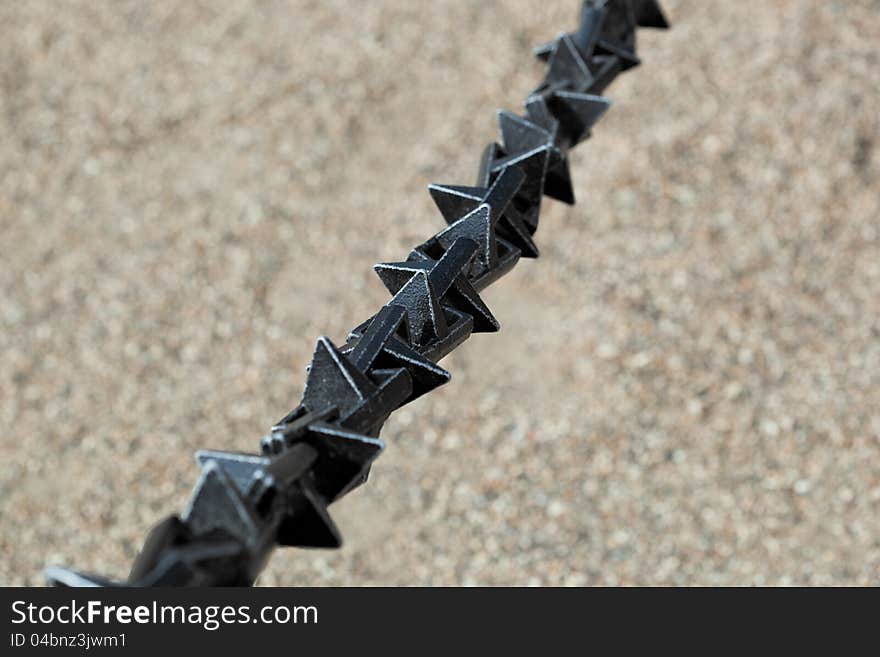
[(649, 13), (514, 228), (308, 525), (519, 134), (448, 279), (238, 466), (567, 67), (394, 275), (534, 165), (426, 375), (462, 296), (531, 133), (344, 457), (426, 319), (577, 113), (332, 379), (558, 185), (455, 201), (452, 199), (477, 226), (504, 189), (216, 503), (538, 112)]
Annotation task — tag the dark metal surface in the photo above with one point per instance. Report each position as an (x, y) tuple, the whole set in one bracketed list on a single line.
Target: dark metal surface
[(243, 505)]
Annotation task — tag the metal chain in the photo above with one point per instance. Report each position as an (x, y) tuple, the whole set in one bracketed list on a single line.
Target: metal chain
[(245, 504)]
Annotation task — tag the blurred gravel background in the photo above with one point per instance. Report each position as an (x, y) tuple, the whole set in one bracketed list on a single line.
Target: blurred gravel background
[(686, 386)]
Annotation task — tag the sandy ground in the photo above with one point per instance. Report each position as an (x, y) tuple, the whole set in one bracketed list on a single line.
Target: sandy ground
[(685, 389)]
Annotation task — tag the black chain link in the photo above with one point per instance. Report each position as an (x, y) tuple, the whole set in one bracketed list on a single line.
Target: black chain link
[(245, 504)]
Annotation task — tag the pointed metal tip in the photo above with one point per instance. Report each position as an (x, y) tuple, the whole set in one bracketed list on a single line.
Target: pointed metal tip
[(649, 13)]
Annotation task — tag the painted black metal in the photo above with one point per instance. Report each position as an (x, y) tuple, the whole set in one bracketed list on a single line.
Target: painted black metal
[(245, 504)]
